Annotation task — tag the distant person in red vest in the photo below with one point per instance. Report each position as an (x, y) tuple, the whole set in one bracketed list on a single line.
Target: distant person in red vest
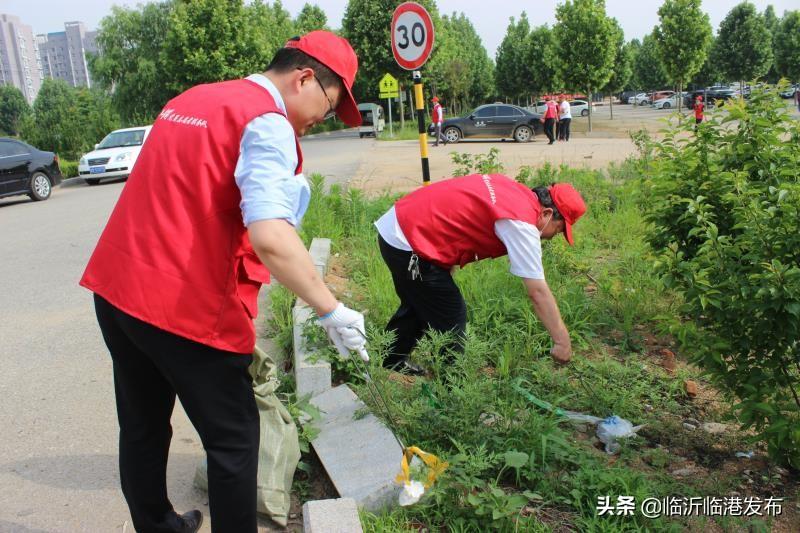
[(208, 212), (698, 111), (437, 116), (550, 118), (433, 230)]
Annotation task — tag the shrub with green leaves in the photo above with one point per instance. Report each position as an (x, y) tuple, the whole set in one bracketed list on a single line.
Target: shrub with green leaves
[(69, 169), (724, 203)]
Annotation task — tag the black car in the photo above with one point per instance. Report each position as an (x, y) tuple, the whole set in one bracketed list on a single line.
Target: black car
[(493, 121), (26, 170)]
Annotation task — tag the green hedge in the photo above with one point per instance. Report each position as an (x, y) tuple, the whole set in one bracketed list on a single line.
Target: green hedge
[(69, 169)]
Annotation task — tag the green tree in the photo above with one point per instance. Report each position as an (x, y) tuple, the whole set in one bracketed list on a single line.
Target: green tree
[(772, 22), (13, 109), (586, 40), (480, 66), (743, 48), (272, 26), (512, 73), (709, 73), (55, 123), (622, 68), (682, 39), (634, 47), (99, 116), (310, 18), (208, 41), (647, 68), (787, 46), (542, 61), (460, 70), (129, 61)]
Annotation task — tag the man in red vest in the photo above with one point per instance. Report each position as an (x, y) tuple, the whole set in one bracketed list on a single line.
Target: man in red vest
[(698, 111), (550, 118), (429, 232), (211, 205), (437, 116)]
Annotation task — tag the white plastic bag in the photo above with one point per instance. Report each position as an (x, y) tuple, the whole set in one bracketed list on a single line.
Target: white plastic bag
[(411, 493), (613, 428)]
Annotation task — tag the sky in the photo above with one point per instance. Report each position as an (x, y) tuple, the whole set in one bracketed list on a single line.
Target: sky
[(490, 17)]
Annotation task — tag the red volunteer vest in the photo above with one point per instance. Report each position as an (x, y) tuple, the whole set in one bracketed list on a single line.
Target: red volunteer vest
[(437, 113), (452, 222), (175, 252)]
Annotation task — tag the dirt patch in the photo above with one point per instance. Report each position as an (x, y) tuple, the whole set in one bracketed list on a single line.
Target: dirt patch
[(395, 166), (337, 277)]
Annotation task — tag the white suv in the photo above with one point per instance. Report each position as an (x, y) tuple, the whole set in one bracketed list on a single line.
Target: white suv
[(114, 156)]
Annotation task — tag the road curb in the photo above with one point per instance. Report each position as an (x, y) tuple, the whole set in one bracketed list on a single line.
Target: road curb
[(72, 182), (327, 133)]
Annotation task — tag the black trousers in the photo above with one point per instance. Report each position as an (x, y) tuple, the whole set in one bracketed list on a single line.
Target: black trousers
[(151, 366), (563, 133), (431, 302), (548, 129)]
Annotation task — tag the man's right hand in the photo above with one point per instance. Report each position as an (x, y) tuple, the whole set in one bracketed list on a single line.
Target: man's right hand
[(345, 327), (561, 353)]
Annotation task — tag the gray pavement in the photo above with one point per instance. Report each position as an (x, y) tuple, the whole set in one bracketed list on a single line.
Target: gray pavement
[(58, 444), (336, 155)]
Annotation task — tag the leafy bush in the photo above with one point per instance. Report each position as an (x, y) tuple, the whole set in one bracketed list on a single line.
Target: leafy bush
[(725, 209), (478, 163), (69, 169)]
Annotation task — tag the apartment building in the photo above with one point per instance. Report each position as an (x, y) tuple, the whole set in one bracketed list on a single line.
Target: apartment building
[(63, 54), (19, 57)]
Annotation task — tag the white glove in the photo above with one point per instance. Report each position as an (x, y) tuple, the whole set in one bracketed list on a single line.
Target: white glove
[(345, 327)]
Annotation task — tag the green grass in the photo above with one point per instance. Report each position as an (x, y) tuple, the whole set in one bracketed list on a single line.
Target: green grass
[(408, 133), (610, 301)]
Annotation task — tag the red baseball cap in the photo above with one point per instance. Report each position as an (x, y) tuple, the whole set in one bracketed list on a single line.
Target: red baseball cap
[(570, 204), (335, 53), (435, 99)]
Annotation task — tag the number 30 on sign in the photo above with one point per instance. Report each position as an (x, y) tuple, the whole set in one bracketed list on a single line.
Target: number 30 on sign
[(412, 35)]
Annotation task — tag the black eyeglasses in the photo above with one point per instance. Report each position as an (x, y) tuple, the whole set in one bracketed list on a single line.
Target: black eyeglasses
[(331, 111)]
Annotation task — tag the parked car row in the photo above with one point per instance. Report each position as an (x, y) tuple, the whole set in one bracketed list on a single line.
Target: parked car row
[(641, 98), (715, 95), (25, 170)]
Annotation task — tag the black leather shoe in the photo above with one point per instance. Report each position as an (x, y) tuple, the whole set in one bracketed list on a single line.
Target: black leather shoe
[(191, 521), (407, 367)]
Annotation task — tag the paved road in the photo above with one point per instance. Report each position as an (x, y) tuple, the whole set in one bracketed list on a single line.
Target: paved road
[(335, 155), (58, 443)]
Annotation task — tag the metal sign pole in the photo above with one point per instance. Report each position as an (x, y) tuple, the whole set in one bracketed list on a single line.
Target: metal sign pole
[(391, 131), (423, 136)]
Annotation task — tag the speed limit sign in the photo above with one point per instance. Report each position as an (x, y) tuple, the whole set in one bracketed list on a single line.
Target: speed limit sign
[(412, 35)]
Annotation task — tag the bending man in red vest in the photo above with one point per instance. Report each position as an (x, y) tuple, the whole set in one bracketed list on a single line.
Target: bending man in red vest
[(214, 199), (454, 222)]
